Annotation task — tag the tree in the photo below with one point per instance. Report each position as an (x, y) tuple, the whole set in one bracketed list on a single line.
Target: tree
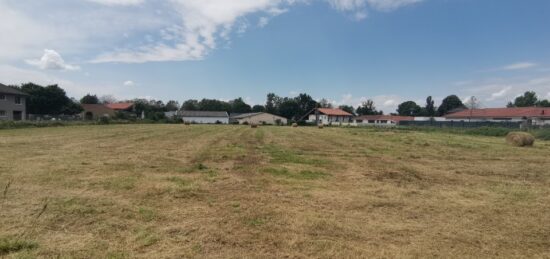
[(48, 100), (409, 108), (190, 105), (214, 105), (305, 104), (429, 109), (472, 103), (271, 103), (324, 103), (89, 99), (368, 108), (106, 99), (289, 109), (172, 105), (72, 107), (448, 104), (543, 103), (239, 106), (528, 99), (347, 108), (258, 108)]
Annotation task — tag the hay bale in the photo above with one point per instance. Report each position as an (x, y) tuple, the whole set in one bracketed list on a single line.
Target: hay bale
[(520, 139), (187, 123), (320, 126), (295, 125), (253, 125)]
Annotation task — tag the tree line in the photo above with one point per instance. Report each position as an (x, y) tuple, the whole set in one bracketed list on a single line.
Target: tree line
[(53, 100)]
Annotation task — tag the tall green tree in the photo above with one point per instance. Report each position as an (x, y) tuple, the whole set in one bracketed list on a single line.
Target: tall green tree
[(368, 108), (258, 108), (239, 106), (172, 105), (448, 104), (429, 109), (528, 99), (347, 108), (48, 100), (89, 99), (409, 108), (190, 105)]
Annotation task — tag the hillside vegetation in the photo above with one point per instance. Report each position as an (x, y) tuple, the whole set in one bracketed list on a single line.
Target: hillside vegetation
[(169, 191)]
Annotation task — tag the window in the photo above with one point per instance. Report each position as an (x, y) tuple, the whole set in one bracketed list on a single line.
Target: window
[(17, 100), (2, 113), (2, 97)]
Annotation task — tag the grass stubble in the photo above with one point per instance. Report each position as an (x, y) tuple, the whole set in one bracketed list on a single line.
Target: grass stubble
[(161, 191)]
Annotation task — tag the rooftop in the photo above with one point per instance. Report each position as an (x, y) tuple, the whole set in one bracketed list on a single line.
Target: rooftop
[(334, 112), (502, 113), (119, 106), (4, 89)]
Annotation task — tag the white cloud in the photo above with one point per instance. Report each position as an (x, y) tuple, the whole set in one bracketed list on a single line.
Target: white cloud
[(263, 21), (129, 83), (498, 95), (518, 66), (180, 29), (52, 60), (118, 2)]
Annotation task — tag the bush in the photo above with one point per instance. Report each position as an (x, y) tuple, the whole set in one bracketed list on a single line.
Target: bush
[(9, 245), (543, 134), (104, 120), (489, 131), (520, 139)]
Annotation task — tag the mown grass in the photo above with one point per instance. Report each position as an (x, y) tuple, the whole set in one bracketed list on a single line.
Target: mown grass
[(210, 191)]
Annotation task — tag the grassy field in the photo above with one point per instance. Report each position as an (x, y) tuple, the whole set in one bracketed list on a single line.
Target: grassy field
[(170, 191)]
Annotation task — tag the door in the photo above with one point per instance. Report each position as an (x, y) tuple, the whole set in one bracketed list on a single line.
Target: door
[(17, 115)]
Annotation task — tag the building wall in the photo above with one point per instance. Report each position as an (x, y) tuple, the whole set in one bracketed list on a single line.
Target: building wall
[(329, 119), (263, 117), (206, 120), (8, 106)]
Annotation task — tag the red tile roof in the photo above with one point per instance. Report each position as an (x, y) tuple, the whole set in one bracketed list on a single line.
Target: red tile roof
[(502, 113), (334, 112), (120, 106), (385, 117)]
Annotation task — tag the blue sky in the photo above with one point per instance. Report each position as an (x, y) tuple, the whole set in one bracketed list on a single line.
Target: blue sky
[(344, 50)]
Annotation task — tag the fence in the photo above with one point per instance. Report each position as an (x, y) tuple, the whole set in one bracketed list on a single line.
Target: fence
[(463, 124)]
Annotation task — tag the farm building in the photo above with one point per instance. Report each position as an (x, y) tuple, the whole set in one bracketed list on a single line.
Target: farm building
[(328, 116), (121, 107), (382, 120), (258, 118), (531, 115), (12, 104), (96, 111), (205, 117)]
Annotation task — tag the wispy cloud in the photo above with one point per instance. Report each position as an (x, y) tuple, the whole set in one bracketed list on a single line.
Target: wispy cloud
[(519, 66)]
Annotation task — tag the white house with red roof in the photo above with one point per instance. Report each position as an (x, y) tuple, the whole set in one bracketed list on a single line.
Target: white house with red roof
[(531, 115), (329, 116)]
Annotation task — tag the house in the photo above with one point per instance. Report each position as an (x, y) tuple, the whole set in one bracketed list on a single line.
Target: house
[(205, 117), (121, 107), (531, 115), (96, 111), (12, 104), (258, 118), (381, 120), (328, 116)]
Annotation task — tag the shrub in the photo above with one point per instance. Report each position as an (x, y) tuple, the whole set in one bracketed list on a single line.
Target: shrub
[(489, 131), (245, 123), (9, 245), (543, 134), (104, 120), (520, 139)]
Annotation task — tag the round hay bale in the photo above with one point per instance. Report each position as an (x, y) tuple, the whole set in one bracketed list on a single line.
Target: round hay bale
[(520, 139), (253, 125), (187, 123), (320, 126), (295, 125)]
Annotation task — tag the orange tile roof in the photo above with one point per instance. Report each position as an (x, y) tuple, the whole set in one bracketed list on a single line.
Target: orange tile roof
[(120, 106), (502, 113), (334, 112)]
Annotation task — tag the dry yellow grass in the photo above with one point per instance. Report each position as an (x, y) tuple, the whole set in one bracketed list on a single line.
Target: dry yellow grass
[(170, 191)]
